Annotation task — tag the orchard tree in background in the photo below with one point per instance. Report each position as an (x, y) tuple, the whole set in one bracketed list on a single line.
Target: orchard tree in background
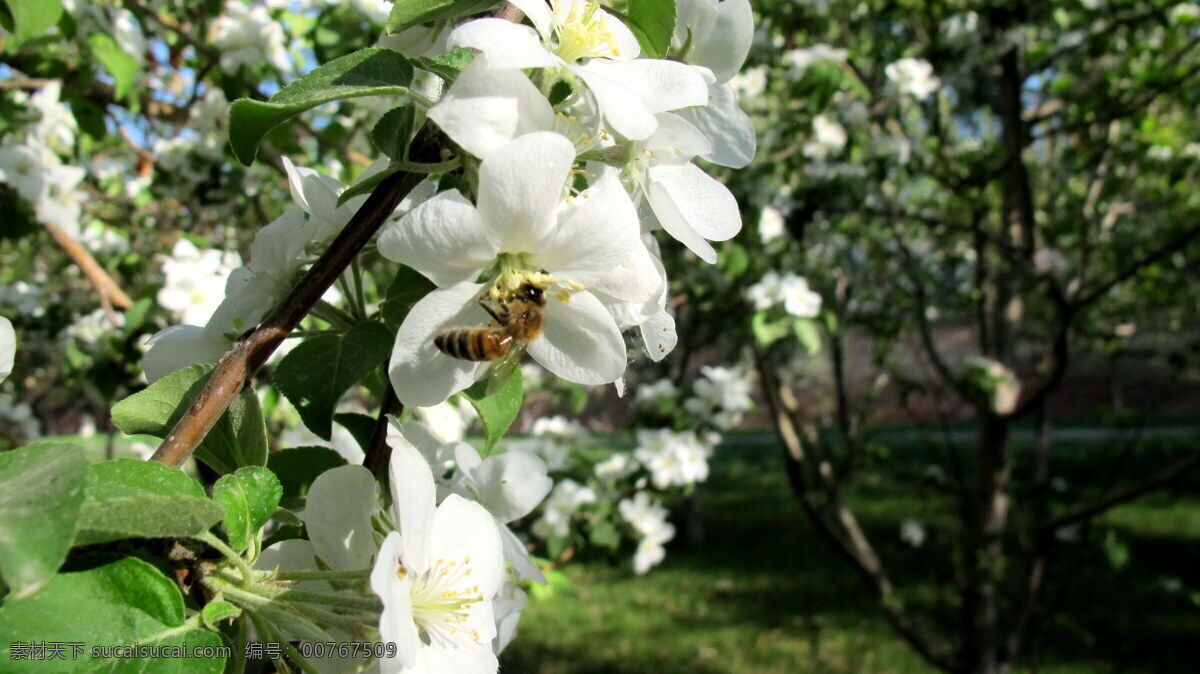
[(1000, 190)]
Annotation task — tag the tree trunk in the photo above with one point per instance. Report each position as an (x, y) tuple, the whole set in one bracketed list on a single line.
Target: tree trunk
[(983, 649)]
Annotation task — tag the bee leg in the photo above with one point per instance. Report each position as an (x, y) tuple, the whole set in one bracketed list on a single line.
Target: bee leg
[(497, 309)]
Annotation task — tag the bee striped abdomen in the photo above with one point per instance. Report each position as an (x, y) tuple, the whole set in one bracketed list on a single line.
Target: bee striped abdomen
[(475, 344)]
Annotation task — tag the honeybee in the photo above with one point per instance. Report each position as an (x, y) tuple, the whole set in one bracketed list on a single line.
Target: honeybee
[(517, 321)]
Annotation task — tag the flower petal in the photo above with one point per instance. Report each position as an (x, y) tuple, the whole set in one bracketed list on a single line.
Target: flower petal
[(504, 44), (692, 207), (660, 85), (726, 126), (517, 554), (722, 48), (486, 108), (581, 342), (623, 111), (413, 500), (659, 336), (396, 623), (539, 13), (179, 346), (421, 374), (597, 244), (520, 186), (337, 516), (464, 529), (443, 238), (314, 191), (8, 347), (511, 485)]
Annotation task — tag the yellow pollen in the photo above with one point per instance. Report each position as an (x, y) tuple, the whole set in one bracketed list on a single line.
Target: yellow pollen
[(468, 572)]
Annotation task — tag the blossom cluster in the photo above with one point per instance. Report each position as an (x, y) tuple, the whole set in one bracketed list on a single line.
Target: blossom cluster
[(574, 149), (568, 192)]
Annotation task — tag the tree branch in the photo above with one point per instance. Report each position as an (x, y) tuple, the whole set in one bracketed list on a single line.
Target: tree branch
[(110, 293), (1092, 509), (378, 452), (843, 533), (252, 350)]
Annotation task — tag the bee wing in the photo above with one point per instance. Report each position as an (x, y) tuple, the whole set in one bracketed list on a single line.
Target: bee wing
[(500, 370)]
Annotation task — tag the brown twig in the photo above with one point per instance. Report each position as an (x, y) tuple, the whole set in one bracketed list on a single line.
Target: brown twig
[(110, 293), (252, 350), (378, 452), (1092, 509), (842, 531)]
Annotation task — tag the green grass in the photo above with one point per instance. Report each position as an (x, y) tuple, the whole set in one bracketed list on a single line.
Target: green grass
[(762, 593)]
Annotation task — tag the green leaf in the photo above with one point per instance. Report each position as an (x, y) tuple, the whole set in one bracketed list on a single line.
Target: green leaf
[(361, 426), (216, 611), (367, 72), (394, 131), (31, 18), (120, 604), (88, 115), (297, 467), (127, 498), (122, 66), (653, 24), (408, 13), (17, 219), (238, 439), (41, 491), (604, 535), (808, 334), (249, 496), (367, 185), (407, 288), (447, 66), (316, 374), (768, 332), (499, 410)]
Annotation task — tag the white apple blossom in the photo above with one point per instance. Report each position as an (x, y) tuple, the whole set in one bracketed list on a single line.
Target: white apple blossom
[(56, 127), (673, 459), (195, 280), (560, 428), (21, 168), (649, 395), (248, 36), (24, 299), (507, 606), (522, 232), (789, 290), (565, 500), (722, 396), (770, 224), (556, 457), (509, 486), (581, 42), (447, 420), (715, 37), (828, 138), (8, 347), (750, 83), (912, 532), (798, 61), (616, 467), (913, 77), (437, 577), (692, 206), (649, 518)]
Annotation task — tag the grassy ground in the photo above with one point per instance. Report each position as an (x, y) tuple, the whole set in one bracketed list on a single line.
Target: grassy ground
[(762, 593)]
